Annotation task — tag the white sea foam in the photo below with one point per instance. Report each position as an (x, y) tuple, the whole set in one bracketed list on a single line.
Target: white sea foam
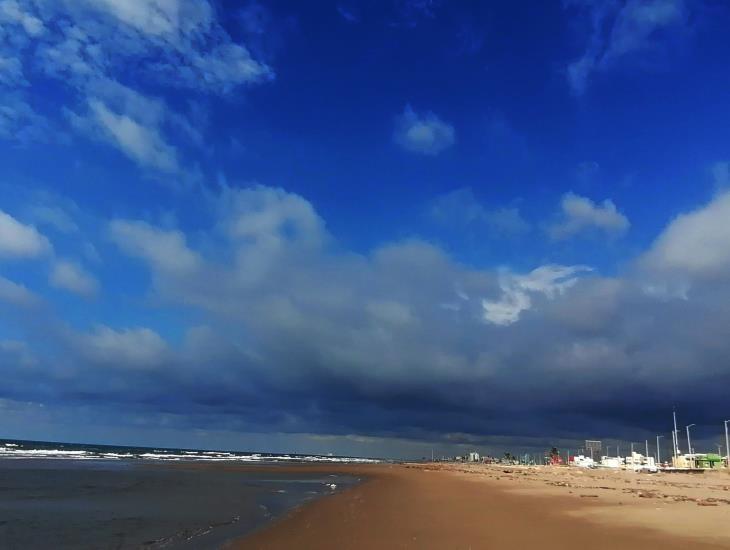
[(13, 450)]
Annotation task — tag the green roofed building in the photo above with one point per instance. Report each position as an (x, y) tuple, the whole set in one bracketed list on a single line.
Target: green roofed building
[(710, 460)]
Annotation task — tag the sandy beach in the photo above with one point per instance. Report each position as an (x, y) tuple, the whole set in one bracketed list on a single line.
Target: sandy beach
[(479, 506)]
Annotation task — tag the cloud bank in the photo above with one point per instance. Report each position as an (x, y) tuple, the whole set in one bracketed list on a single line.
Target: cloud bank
[(289, 333)]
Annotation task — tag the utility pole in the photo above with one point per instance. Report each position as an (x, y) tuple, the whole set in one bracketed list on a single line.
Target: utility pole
[(727, 444), (676, 434), (646, 444), (658, 455), (689, 441)]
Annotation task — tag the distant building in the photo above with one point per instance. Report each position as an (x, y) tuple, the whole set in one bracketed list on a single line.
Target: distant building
[(582, 461), (611, 462), (638, 461), (473, 457), (698, 460)]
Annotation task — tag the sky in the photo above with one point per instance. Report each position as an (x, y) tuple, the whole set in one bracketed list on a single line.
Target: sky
[(369, 228)]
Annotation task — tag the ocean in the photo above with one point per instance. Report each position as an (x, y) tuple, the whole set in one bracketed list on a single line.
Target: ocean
[(66, 496)]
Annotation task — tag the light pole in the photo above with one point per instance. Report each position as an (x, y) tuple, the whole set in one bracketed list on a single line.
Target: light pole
[(676, 434), (658, 455), (689, 442), (727, 444)]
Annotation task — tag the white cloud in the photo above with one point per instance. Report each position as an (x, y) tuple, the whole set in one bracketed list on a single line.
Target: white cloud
[(153, 17), (517, 291), (695, 243), (136, 348), (87, 44), (70, 276), (20, 122), (18, 240), (166, 250), (11, 11), (638, 20), (423, 133), (220, 69), (11, 72), (632, 27), (141, 143), (269, 214), (579, 215), (176, 42), (54, 217), (16, 294), (73, 55)]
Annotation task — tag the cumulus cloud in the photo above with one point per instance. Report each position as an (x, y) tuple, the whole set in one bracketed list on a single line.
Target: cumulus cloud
[(135, 124), (20, 241), (142, 144), (166, 250), (423, 133), (295, 334), (16, 294), (134, 348), (622, 29), (580, 215), (70, 276), (695, 243)]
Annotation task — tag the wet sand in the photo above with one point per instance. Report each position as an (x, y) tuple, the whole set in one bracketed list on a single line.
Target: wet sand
[(402, 506)]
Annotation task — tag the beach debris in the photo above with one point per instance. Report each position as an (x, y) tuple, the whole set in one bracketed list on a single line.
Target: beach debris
[(706, 503), (589, 496)]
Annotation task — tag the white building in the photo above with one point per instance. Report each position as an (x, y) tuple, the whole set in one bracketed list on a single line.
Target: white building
[(611, 462), (639, 462), (583, 461)]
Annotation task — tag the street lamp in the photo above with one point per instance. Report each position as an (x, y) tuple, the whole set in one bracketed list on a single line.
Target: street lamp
[(689, 442), (658, 455), (727, 444)]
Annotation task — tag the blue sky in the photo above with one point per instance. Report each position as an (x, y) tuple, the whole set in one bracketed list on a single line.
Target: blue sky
[(365, 227)]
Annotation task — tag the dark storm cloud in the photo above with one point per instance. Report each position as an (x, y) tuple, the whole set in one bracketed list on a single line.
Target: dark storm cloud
[(299, 336)]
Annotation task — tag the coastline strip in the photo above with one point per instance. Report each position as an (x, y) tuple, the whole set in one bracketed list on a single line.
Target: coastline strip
[(401, 506)]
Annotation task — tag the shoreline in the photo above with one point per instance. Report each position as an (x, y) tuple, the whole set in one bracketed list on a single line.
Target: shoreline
[(448, 506)]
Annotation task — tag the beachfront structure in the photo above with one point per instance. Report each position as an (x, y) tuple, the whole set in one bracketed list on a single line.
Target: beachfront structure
[(638, 462), (611, 462), (473, 457), (698, 460), (582, 461)]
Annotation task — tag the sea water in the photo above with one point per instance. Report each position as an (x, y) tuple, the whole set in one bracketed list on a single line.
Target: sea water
[(83, 501)]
